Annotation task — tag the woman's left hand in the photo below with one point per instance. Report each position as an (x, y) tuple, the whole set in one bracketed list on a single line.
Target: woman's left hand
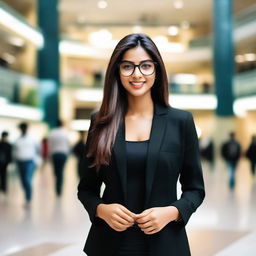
[(154, 219)]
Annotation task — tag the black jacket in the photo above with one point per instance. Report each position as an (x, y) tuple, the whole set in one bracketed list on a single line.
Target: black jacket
[(231, 150), (173, 153), (5, 153), (251, 152)]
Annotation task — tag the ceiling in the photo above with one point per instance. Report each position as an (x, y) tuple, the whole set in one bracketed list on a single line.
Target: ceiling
[(80, 17), (85, 15)]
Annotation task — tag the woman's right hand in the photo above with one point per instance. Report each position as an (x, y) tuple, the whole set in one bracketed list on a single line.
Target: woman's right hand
[(117, 216)]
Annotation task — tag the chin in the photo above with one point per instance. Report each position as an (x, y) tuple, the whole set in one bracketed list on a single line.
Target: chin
[(138, 93)]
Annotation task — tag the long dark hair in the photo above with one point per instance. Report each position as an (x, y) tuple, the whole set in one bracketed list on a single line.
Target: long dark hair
[(114, 105)]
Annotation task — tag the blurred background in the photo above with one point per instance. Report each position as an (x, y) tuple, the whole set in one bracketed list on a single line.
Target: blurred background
[(53, 58)]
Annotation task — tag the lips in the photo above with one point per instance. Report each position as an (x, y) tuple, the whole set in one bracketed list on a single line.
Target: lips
[(137, 85)]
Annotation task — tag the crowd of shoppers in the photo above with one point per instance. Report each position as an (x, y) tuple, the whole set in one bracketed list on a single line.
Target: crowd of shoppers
[(27, 153)]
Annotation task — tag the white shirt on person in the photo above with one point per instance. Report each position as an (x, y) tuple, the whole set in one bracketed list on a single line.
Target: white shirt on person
[(26, 148), (58, 140)]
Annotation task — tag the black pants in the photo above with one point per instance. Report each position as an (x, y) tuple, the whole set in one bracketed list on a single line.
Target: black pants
[(3, 177), (59, 160)]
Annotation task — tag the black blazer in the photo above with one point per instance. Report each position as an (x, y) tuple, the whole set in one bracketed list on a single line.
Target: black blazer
[(173, 153)]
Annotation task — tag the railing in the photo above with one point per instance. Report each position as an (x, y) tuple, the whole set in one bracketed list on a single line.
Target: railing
[(245, 84), (19, 88), (241, 20)]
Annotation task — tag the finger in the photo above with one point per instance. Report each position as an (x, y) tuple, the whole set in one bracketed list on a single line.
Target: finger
[(151, 232), (117, 228), (145, 225), (120, 226), (122, 220), (144, 219), (127, 212), (123, 214), (144, 214), (149, 229)]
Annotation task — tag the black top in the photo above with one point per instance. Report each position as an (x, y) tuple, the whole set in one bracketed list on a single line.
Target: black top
[(134, 241), (136, 152)]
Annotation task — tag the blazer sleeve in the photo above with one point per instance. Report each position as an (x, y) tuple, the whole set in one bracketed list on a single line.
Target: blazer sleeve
[(90, 185), (191, 177)]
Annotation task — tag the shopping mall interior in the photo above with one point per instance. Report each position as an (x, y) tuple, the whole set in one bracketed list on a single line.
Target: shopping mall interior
[(53, 59)]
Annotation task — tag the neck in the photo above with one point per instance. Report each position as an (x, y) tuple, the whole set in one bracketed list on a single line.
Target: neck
[(142, 106)]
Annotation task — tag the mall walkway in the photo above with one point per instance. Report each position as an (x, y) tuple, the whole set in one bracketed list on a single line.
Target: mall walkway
[(224, 226)]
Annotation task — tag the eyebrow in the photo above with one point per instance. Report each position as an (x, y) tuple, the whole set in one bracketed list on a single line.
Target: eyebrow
[(134, 62)]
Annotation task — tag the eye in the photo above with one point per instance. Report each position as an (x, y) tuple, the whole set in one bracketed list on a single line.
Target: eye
[(127, 66), (146, 65)]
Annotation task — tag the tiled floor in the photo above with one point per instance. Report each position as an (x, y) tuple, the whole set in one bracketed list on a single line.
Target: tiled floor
[(225, 225)]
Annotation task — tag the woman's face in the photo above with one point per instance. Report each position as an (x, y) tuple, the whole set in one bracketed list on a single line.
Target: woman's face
[(137, 84)]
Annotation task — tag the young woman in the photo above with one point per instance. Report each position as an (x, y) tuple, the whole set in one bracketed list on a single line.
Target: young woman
[(139, 146)]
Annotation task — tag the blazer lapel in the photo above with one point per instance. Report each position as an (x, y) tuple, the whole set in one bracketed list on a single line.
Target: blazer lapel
[(156, 137), (120, 156)]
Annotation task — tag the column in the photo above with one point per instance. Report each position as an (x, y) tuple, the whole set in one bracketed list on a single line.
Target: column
[(223, 53), (48, 59)]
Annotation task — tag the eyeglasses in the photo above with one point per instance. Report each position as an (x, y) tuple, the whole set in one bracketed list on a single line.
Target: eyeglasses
[(146, 67)]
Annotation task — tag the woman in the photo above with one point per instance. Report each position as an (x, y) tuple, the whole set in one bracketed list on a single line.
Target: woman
[(138, 147)]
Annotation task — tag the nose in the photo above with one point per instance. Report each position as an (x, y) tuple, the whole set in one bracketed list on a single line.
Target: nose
[(137, 72)]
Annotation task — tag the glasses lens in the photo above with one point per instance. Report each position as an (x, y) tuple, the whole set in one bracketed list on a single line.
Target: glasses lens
[(147, 68), (126, 68)]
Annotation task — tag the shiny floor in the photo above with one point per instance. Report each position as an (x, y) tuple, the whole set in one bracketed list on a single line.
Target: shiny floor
[(225, 225)]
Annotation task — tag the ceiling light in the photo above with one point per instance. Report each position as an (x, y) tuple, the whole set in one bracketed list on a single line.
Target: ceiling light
[(250, 56), (173, 30), (178, 4), (21, 28), (136, 29), (102, 4)]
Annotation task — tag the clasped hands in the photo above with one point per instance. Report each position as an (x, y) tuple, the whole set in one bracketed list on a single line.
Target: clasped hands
[(150, 221)]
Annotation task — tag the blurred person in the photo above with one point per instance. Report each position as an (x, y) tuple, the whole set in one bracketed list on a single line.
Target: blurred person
[(207, 150), (44, 151), (5, 159), (59, 148), (26, 153), (231, 151), (139, 146), (251, 154), (79, 152)]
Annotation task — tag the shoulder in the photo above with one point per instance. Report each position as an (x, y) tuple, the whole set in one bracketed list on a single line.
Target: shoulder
[(179, 114)]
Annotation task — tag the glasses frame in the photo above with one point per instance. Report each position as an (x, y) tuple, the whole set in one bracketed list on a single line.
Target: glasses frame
[(135, 66)]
